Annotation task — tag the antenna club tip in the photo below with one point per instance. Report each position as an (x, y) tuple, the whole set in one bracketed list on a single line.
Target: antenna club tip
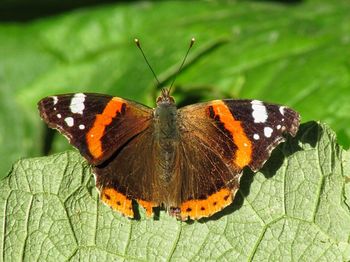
[(192, 41), (137, 42)]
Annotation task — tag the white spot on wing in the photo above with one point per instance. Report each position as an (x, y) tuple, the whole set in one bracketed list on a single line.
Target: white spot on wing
[(59, 116), (268, 131), (81, 127), (69, 121), (278, 127), (55, 99), (282, 110), (77, 105), (256, 136), (259, 111)]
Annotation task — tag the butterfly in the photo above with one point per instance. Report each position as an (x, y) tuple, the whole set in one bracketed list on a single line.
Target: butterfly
[(188, 160)]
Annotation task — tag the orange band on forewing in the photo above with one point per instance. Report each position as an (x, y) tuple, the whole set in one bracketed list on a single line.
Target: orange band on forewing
[(98, 129), (240, 139), (196, 209), (117, 201)]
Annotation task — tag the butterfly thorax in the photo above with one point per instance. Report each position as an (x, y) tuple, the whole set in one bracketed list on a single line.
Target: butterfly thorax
[(165, 118)]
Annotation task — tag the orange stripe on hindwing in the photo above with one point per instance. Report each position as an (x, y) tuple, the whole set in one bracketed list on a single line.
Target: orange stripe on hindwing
[(244, 146), (117, 201), (102, 120), (198, 208), (147, 205)]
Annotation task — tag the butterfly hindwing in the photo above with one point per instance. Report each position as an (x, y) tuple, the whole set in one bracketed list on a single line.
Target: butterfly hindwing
[(208, 183), (131, 174), (93, 122)]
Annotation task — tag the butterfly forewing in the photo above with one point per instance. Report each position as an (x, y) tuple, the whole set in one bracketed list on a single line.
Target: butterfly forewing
[(244, 132), (93, 122), (265, 125)]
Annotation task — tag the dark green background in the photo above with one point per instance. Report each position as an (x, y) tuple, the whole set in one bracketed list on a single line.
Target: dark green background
[(297, 54)]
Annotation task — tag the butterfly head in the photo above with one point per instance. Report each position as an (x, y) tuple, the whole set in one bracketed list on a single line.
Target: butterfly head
[(165, 97)]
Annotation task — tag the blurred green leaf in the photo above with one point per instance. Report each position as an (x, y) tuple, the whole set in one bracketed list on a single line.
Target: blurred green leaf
[(295, 208), (296, 55)]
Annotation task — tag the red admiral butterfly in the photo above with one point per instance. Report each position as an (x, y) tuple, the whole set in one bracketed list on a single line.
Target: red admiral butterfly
[(188, 160)]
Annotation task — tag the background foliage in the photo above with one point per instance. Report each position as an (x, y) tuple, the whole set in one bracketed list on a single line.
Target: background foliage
[(295, 54)]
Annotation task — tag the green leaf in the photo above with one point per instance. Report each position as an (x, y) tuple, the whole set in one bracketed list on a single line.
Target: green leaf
[(296, 208), (297, 55)]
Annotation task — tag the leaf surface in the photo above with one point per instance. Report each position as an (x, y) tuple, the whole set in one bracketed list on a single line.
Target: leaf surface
[(296, 208)]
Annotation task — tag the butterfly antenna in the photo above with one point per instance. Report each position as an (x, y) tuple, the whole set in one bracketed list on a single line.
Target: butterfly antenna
[(137, 42), (182, 64)]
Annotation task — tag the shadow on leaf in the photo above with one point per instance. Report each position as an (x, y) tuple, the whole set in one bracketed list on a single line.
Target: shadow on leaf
[(309, 133)]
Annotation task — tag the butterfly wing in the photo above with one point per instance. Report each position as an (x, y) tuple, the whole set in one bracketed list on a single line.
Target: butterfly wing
[(97, 125), (216, 141), (131, 174), (219, 139)]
